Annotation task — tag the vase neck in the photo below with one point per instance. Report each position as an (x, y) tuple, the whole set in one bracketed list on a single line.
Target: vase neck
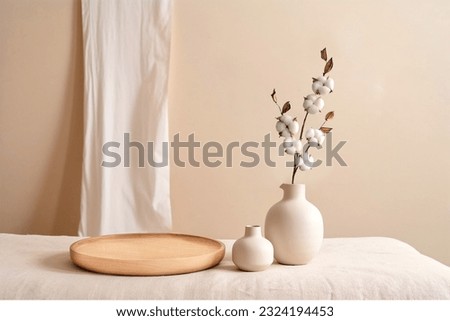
[(253, 230), (293, 191)]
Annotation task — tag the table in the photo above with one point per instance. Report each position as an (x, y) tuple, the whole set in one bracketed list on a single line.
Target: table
[(39, 267)]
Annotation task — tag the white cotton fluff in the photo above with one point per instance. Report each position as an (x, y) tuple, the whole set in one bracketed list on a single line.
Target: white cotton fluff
[(280, 126), (313, 103), (285, 133), (315, 137), (288, 142), (305, 162), (292, 146), (286, 119), (294, 127), (309, 133), (297, 144), (290, 150), (323, 85)]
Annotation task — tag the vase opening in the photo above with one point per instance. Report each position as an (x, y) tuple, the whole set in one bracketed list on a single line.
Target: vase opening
[(253, 230), (293, 190)]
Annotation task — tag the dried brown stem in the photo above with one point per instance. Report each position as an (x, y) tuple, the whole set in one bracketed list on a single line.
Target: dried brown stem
[(279, 107), (294, 170), (303, 125)]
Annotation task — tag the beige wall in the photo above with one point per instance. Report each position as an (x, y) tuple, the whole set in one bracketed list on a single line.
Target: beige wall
[(392, 104), (41, 115)]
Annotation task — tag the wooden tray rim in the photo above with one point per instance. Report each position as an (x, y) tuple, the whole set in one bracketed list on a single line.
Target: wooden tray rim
[(73, 252)]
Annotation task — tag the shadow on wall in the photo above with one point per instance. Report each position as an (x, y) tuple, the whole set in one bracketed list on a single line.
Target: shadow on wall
[(61, 188)]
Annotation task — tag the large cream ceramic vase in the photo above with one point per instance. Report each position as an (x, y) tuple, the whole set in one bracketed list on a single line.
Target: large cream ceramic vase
[(294, 226)]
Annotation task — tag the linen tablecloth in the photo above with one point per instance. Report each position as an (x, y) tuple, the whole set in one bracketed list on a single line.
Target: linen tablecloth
[(39, 267)]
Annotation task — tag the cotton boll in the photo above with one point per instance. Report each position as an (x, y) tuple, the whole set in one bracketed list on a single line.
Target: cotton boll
[(313, 103), (316, 86), (324, 90), (302, 166), (319, 102), (294, 127), (311, 97), (315, 137), (288, 142), (280, 126), (313, 110), (308, 102), (298, 146), (310, 133), (286, 119), (323, 85), (313, 140), (305, 167), (285, 133), (290, 150), (320, 137), (308, 161), (329, 83), (321, 140)]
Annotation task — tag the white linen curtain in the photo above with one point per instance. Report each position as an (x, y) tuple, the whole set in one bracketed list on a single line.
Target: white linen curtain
[(126, 57)]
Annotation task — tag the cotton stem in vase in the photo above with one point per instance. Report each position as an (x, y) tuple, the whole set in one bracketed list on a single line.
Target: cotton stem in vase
[(289, 128)]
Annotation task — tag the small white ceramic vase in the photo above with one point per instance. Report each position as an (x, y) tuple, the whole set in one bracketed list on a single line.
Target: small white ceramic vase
[(252, 252), (294, 226)]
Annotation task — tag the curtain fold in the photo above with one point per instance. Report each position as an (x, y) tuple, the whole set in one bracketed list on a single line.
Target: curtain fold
[(125, 182)]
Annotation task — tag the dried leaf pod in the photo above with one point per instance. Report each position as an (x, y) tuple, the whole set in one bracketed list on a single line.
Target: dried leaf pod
[(328, 66), (323, 54), (329, 115), (286, 107), (325, 130)]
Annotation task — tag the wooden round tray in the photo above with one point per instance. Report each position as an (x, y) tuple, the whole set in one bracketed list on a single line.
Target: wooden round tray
[(147, 254)]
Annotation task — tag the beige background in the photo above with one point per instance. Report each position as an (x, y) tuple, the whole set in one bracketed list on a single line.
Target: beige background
[(392, 104)]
